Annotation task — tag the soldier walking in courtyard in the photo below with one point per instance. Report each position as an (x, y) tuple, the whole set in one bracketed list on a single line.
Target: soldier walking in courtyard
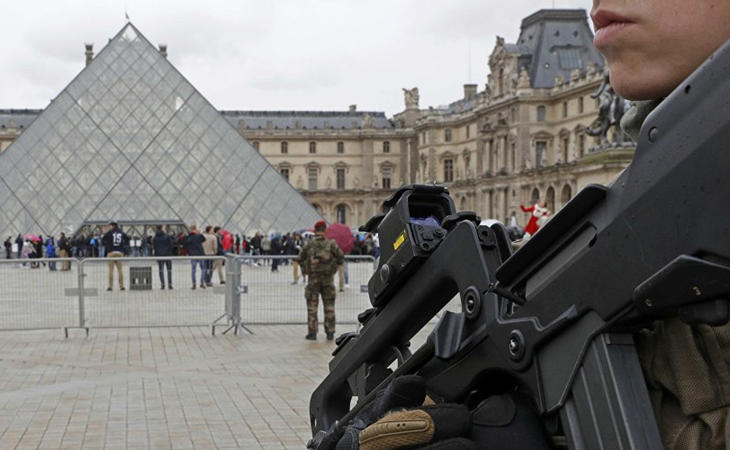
[(319, 260)]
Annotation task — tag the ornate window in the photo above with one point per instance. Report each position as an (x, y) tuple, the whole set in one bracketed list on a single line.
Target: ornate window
[(341, 213), (340, 178), (312, 173), (312, 147), (447, 135), (284, 147), (540, 149), (550, 198), (541, 113), (582, 144), (386, 172), (570, 58), (535, 196), (340, 147), (386, 146), (448, 170), (284, 173), (566, 194)]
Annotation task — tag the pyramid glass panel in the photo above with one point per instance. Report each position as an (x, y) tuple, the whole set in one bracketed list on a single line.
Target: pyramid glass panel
[(131, 139)]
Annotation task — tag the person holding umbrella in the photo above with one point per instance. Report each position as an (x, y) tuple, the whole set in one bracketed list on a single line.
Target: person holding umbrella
[(342, 235), (319, 260)]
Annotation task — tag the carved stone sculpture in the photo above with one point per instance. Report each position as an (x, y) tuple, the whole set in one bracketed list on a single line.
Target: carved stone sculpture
[(524, 81), (367, 121), (611, 108), (411, 98)]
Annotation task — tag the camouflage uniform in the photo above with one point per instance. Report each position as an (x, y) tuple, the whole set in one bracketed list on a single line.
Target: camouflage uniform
[(319, 260), (687, 367)]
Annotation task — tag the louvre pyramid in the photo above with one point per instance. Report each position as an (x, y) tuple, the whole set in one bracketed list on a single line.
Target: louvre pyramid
[(131, 139)]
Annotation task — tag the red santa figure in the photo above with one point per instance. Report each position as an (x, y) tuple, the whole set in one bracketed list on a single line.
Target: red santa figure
[(539, 215)]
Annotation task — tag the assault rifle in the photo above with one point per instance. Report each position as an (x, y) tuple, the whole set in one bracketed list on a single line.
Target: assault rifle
[(555, 318)]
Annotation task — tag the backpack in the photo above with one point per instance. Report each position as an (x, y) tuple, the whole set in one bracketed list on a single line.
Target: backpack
[(321, 259)]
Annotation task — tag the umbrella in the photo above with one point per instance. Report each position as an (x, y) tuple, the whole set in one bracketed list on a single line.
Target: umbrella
[(32, 237), (342, 235)]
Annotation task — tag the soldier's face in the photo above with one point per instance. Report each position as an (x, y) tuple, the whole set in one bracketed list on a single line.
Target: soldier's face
[(652, 45)]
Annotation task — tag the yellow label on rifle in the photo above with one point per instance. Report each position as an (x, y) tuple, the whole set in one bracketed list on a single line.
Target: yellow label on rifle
[(400, 240)]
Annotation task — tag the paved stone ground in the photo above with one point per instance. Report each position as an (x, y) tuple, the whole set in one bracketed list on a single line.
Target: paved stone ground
[(162, 388)]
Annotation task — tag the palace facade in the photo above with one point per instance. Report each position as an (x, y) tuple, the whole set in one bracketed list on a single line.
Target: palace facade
[(522, 138)]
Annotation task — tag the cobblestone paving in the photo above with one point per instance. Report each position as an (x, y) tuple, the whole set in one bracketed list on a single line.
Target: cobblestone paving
[(161, 388)]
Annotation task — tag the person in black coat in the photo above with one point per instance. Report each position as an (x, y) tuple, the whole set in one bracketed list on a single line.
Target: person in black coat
[(162, 246), (193, 246)]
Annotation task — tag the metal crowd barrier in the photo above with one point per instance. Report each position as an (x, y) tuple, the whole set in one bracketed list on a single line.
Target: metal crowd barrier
[(144, 303), (267, 292), (32, 296), (258, 290)]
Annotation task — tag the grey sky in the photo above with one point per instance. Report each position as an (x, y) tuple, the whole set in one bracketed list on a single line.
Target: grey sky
[(276, 55)]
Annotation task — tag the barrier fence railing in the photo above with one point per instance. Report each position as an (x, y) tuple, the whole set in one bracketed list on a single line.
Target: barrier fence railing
[(77, 293), (34, 296), (257, 290), (271, 290)]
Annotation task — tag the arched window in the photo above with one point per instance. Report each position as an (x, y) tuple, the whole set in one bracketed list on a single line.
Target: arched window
[(535, 196), (566, 194), (341, 213), (550, 199)]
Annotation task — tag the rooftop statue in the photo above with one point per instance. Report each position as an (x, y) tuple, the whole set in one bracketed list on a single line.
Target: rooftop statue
[(611, 108), (411, 97)]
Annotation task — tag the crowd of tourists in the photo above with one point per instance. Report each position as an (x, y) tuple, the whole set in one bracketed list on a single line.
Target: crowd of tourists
[(282, 249), (36, 246)]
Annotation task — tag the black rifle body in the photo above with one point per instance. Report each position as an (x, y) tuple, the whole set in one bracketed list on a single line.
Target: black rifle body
[(655, 243)]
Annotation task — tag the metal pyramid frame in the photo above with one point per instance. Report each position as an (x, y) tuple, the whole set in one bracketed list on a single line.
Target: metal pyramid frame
[(131, 139)]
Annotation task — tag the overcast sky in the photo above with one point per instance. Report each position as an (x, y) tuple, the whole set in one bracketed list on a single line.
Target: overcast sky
[(274, 55)]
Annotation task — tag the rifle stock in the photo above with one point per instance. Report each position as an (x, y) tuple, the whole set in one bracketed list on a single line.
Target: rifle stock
[(552, 319)]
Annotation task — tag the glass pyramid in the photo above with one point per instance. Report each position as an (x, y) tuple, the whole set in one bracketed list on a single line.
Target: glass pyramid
[(130, 139)]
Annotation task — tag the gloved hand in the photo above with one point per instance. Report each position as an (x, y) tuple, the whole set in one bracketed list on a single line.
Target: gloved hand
[(433, 426), (506, 421)]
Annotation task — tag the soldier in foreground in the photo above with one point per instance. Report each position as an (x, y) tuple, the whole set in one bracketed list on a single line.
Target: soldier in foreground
[(651, 46), (319, 260)]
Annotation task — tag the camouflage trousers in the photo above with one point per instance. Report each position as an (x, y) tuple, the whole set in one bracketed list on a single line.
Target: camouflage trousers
[(325, 286)]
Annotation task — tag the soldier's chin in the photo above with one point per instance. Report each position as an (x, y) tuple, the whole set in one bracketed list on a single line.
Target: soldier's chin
[(637, 85)]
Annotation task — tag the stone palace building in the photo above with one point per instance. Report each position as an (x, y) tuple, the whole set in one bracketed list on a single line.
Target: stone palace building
[(521, 138)]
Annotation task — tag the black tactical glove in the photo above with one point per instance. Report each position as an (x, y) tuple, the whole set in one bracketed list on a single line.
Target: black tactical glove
[(505, 421)]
